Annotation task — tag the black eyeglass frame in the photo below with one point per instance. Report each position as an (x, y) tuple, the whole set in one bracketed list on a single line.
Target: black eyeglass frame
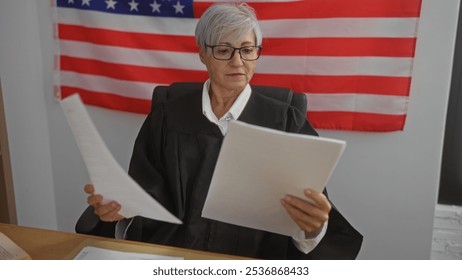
[(259, 48)]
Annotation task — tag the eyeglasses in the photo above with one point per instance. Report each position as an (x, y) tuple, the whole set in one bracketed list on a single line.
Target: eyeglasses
[(224, 52)]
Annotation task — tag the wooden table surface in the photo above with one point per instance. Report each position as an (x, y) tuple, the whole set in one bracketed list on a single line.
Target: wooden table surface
[(44, 244)]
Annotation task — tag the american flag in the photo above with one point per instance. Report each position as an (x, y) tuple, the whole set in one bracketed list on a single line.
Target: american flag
[(352, 58)]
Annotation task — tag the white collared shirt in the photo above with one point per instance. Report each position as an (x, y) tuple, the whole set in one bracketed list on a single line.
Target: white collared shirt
[(233, 113)]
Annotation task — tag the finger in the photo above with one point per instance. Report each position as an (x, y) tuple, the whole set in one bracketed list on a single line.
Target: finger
[(94, 200), (305, 222), (318, 199), (112, 215), (306, 211), (108, 209), (89, 189), (306, 207)]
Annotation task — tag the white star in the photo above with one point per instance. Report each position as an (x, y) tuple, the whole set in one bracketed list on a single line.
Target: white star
[(70, 2), (86, 2), (110, 4), (178, 7), (155, 7), (133, 5)]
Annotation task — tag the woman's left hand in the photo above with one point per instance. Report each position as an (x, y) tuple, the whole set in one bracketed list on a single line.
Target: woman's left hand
[(310, 214)]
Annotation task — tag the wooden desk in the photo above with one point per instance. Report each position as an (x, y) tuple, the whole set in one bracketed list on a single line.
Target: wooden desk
[(44, 244)]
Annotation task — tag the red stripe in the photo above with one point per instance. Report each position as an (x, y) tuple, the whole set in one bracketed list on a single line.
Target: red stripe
[(298, 83), (322, 120), (337, 84), (133, 40), (388, 47), (328, 9), (130, 72), (109, 100), (356, 121)]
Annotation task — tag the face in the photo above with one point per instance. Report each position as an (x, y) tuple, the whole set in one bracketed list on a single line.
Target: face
[(233, 74)]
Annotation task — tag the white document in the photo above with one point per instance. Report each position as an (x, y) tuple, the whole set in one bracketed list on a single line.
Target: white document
[(95, 253), (257, 167), (108, 177), (10, 250)]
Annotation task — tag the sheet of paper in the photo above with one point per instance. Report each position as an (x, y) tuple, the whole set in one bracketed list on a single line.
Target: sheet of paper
[(108, 177), (259, 166), (95, 253), (10, 250)]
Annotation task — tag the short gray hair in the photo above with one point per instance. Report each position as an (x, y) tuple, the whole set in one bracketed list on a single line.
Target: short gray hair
[(227, 19)]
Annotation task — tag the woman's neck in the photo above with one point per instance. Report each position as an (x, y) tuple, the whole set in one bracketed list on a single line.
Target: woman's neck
[(221, 103)]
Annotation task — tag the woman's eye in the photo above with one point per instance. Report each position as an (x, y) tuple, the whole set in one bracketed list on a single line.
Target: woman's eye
[(247, 50), (223, 51)]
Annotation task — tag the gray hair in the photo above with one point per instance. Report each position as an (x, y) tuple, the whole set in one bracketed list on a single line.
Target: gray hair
[(227, 19)]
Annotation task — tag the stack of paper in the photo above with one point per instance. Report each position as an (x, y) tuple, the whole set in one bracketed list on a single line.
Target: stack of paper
[(259, 166)]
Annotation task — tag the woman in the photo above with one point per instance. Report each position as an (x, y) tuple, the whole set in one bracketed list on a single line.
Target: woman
[(177, 147)]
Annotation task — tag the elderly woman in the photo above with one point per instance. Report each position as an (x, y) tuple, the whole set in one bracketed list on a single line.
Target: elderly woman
[(176, 151)]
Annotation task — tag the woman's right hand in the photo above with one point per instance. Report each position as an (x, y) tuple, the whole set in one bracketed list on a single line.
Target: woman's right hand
[(108, 212)]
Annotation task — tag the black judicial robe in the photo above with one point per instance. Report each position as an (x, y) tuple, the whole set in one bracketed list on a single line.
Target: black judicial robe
[(174, 159)]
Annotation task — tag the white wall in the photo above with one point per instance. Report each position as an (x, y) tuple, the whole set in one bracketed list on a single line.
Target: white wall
[(386, 183), (26, 112)]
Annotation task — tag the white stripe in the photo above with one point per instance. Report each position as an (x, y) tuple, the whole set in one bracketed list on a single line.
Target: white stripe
[(299, 65), (129, 23), (148, 58), (340, 27), (315, 65), (331, 27), (103, 84), (366, 103)]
